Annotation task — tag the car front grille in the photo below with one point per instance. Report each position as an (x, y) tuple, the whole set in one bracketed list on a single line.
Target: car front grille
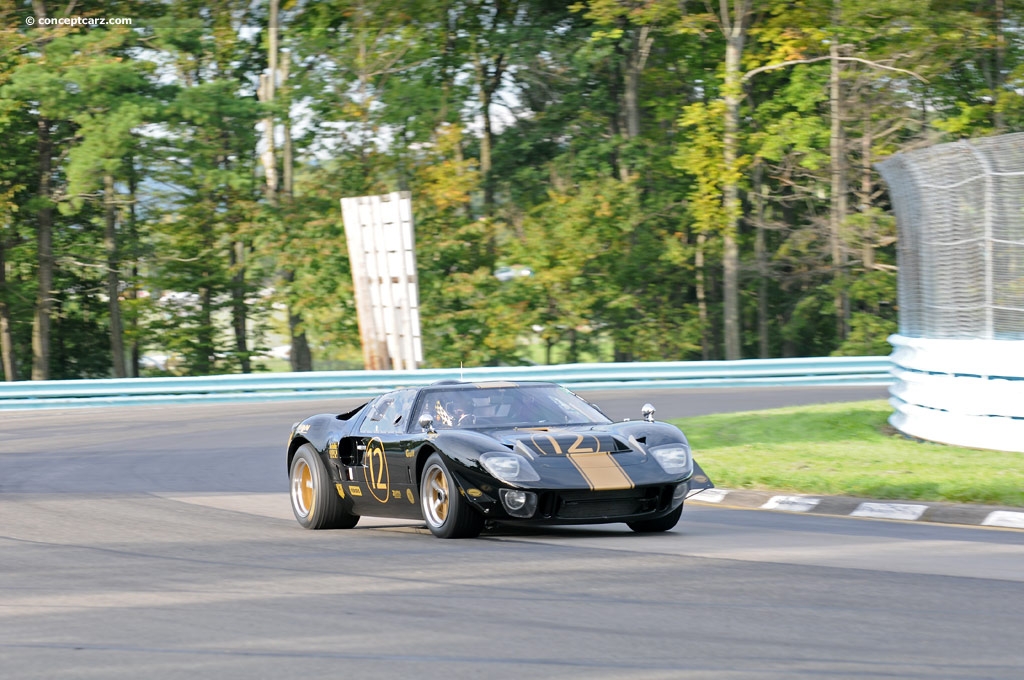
[(606, 504)]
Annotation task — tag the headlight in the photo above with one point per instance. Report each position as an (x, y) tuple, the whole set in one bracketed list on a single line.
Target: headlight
[(509, 467), (675, 459), (518, 503)]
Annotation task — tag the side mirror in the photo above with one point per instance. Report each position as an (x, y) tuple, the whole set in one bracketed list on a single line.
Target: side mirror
[(427, 422), (648, 412)]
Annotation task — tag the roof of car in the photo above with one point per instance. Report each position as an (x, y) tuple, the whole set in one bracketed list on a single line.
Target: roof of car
[(483, 384)]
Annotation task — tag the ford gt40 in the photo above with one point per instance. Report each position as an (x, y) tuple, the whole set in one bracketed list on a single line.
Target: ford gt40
[(460, 454)]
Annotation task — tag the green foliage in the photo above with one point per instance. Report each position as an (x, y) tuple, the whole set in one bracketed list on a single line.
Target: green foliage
[(79, 325), (606, 173), (701, 156), (868, 334)]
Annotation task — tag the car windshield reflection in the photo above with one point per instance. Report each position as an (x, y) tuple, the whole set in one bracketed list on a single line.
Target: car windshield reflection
[(519, 406)]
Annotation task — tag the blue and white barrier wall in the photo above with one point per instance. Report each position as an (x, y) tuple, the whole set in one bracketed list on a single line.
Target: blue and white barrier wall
[(963, 392)]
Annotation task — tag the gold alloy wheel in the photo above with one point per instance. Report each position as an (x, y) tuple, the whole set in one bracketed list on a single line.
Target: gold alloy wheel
[(303, 492), (435, 495)]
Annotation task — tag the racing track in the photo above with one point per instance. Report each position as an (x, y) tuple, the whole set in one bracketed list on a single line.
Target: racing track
[(157, 542)]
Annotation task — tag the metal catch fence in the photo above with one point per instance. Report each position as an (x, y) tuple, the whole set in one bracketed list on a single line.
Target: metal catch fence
[(960, 209)]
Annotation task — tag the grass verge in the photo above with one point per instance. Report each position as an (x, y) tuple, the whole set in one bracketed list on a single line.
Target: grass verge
[(847, 449)]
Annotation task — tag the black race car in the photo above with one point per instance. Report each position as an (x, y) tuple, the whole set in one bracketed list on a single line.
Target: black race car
[(459, 454)]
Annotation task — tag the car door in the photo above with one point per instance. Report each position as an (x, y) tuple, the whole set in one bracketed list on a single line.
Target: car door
[(386, 486)]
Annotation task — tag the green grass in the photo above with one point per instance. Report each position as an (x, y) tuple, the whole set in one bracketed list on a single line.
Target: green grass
[(847, 449)]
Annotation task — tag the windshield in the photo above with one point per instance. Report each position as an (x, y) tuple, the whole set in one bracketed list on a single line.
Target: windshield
[(519, 406)]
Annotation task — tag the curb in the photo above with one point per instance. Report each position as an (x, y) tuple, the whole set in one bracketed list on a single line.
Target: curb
[(922, 511)]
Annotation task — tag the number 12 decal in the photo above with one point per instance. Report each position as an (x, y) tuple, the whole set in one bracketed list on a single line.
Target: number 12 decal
[(378, 479)]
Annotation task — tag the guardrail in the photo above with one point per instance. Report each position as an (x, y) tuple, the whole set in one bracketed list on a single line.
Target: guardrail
[(329, 384)]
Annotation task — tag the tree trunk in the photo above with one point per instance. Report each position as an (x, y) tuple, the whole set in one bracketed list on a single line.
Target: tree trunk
[(837, 202), (39, 9), (445, 77), (113, 277), (269, 156), (287, 169), (788, 345), (761, 255), (488, 73), (132, 291), (702, 302), (228, 196), (206, 347), (999, 58), (616, 123), (301, 357), (6, 339), (486, 140), (205, 357), (238, 306), (265, 93), (639, 51), (44, 250), (866, 185), (731, 202)]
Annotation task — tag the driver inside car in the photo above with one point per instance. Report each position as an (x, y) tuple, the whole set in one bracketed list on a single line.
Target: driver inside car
[(454, 413), (463, 416)]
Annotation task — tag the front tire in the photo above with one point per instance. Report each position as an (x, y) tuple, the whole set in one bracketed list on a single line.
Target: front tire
[(446, 513), (314, 501), (650, 526)]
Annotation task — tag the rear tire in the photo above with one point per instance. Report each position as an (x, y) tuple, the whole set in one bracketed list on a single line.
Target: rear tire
[(315, 503), (650, 526), (446, 512)]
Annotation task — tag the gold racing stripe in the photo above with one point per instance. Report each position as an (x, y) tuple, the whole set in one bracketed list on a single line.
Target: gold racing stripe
[(601, 471)]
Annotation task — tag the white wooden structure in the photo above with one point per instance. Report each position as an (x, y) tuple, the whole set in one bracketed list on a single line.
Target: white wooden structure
[(382, 251)]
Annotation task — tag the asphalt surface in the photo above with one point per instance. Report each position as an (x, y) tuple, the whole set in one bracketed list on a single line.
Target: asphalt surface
[(157, 542)]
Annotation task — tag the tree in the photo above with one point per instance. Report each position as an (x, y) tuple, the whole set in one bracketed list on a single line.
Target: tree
[(686, 180), (113, 98), (734, 24), (204, 158)]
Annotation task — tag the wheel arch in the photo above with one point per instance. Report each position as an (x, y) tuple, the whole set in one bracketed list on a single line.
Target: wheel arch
[(462, 519), (455, 469), (294, 446), (421, 460)]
